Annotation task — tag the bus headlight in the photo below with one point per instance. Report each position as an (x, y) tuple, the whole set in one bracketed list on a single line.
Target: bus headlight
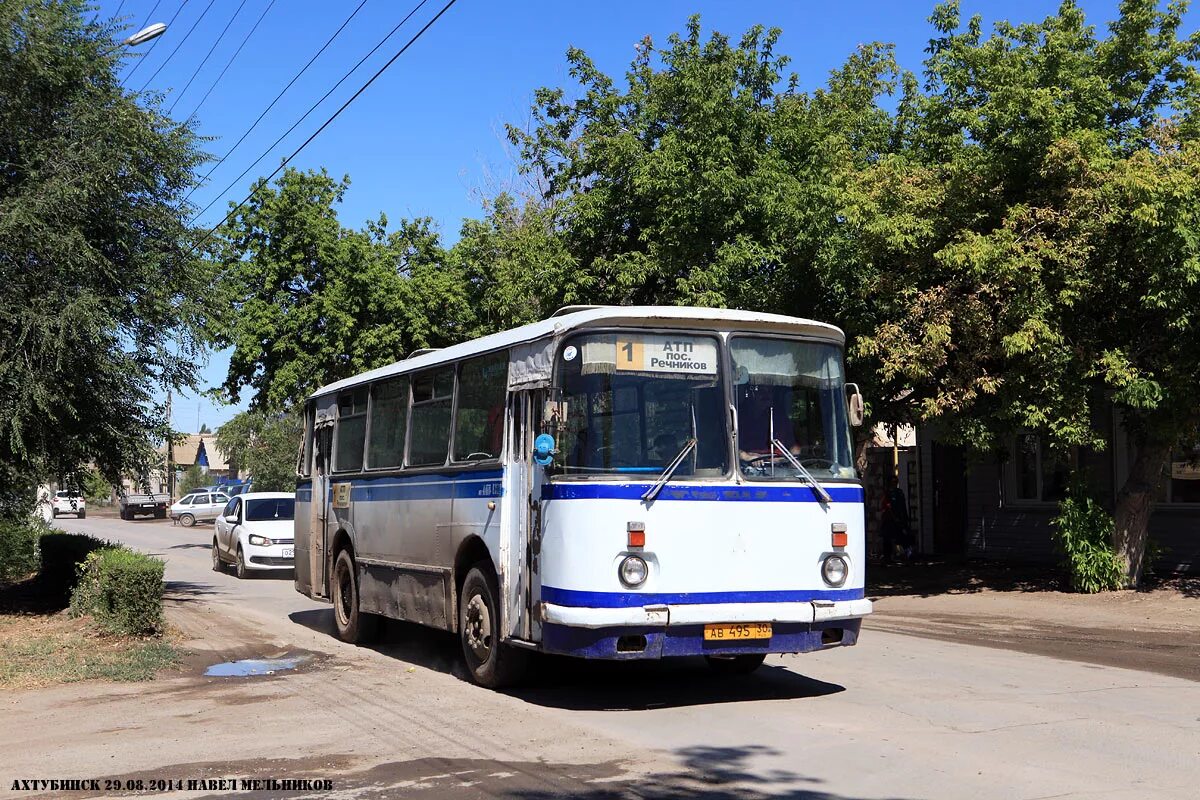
[(633, 571), (834, 570)]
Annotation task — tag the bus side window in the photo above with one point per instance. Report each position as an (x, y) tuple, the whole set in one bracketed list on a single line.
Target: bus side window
[(479, 421), (351, 430), (429, 437), (389, 419)]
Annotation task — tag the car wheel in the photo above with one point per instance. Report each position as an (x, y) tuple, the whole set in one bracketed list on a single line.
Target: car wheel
[(242, 573), (353, 625), (81, 515), (490, 662), (187, 520), (736, 665), (218, 564), (54, 513)]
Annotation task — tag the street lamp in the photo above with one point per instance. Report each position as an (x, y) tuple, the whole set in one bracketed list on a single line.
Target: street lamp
[(146, 34)]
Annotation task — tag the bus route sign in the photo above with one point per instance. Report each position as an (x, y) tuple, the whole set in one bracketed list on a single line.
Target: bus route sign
[(696, 355)]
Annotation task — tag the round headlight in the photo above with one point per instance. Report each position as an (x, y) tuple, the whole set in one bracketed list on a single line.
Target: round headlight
[(834, 570), (633, 571)]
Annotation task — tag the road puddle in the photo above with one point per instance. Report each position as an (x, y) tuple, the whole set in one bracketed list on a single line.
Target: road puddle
[(249, 667)]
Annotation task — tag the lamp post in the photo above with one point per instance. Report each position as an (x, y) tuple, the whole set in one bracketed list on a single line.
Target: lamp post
[(152, 31)]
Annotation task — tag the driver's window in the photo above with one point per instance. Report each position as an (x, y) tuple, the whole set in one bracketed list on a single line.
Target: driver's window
[(230, 509)]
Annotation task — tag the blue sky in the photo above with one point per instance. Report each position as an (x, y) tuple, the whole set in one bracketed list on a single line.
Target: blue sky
[(427, 138)]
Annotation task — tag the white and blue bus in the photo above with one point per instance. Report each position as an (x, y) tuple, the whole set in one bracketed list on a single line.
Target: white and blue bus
[(612, 482)]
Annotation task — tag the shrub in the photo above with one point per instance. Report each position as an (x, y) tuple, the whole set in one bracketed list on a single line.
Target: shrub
[(19, 548), (122, 590), (62, 553), (1084, 531)]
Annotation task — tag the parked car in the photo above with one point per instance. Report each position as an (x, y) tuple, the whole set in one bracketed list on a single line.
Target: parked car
[(198, 506), (68, 502), (255, 532), (134, 505)]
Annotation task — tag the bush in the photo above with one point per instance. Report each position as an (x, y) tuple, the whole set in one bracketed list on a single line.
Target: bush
[(122, 590), (62, 553), (1084, 531), (19, 548)]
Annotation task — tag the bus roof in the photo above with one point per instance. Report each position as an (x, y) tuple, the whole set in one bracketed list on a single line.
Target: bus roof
[(600, 316)]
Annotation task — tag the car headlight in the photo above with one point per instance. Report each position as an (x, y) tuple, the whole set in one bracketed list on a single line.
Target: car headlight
[(834, 570), (261, 541), (633, 571)]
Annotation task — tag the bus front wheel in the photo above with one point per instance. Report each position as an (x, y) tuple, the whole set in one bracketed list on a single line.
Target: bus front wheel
[(353, 625), (491, 662), (736, 665)]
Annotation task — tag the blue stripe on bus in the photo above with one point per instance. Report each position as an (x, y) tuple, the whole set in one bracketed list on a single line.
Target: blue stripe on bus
[(574, 597), (759, 494), (427, 486)]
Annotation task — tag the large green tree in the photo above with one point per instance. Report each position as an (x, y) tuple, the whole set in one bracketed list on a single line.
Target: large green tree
[(1033, 243), (309, 302), (263, 444), (101, 303)]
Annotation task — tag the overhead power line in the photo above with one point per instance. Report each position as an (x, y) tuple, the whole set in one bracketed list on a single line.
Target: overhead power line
[(207, 56), (327, 122), (314, 106), (233, 57), (199, 19), (150, 14), (283, 91), (142, 60)]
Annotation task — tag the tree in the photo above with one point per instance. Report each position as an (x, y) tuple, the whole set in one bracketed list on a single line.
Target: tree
[(311, 302), (193, 478), (204, 429), (265, 445), (1034, 242), (101, 304)]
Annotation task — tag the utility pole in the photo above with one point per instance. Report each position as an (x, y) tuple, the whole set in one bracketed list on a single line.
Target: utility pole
[(170, 452)]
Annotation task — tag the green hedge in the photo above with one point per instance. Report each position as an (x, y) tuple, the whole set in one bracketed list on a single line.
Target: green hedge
[(1083, 530), (19, 548), (122, 590), (62, 553)]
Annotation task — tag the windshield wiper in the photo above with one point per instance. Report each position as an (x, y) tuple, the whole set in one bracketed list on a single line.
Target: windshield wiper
[(818, 489), (653, 491)]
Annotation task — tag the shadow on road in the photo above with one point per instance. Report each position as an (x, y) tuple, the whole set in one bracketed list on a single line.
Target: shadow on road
[(926, 578), (195, 546), (188, 591), (578, 685)]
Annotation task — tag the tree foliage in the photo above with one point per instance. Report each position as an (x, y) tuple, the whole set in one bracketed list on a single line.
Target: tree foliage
[(101, 304), (263, 444)]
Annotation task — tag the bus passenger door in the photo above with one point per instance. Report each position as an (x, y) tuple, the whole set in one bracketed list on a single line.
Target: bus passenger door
[(319, 516), (519, 472)]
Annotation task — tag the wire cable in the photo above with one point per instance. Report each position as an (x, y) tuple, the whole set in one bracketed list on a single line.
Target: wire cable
[(207, 56), (181, 41), (142, 60), (150, 14), (324, 125), (283, 91), (233, 58), (314, 106)]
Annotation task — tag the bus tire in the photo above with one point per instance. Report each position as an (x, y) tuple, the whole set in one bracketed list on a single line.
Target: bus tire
[(353, 625), (736, 665), (491, 663)]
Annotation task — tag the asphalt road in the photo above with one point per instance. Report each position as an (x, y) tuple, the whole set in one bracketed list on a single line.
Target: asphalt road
[(894, 717)]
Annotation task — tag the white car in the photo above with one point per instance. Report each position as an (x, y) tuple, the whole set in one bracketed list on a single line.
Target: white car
[(198, 506), (68, 503), (255, 532)]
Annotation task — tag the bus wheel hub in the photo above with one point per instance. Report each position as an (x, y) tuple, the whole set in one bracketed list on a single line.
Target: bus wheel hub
[(479, 628)]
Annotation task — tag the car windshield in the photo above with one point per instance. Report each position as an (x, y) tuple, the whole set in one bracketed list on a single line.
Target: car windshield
[(271, 508), (790, 398), (631, 401)]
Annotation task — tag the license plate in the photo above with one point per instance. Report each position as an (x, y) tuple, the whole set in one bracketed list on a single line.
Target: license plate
[(737, 632), (287, 552)]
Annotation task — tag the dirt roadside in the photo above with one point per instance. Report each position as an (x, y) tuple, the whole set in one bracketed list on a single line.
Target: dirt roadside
[(1024, 608)]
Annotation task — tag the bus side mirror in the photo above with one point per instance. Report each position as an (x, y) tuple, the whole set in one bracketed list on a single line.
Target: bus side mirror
[(543, 450), (854, 404)]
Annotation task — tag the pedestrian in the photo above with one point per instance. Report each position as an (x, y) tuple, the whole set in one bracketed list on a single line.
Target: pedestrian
[(894, 524)]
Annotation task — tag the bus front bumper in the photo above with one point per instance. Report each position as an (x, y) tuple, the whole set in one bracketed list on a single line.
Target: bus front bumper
[(678, 630)]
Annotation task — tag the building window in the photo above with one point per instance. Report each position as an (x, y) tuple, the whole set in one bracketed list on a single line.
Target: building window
[(429, 439), (389, 419), (1040, 473), (351, 430), (1183, 481), (479, 421)]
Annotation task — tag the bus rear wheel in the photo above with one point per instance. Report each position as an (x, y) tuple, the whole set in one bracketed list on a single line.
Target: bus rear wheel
[(353, 625), (491, 663), (736, 665)]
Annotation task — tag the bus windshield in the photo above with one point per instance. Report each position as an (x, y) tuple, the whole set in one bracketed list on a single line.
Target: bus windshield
[(631, 402), (790, 399)]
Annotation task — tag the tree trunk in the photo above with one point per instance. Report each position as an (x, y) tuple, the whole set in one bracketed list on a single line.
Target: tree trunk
[(1133, 507)]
